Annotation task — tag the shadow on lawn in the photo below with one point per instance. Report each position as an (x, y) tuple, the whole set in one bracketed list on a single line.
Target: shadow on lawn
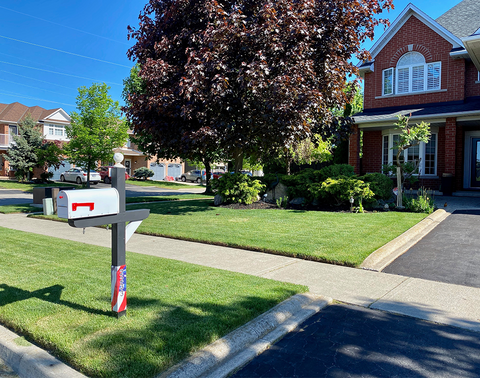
[(10, 294), (148, 349), (176, 208)]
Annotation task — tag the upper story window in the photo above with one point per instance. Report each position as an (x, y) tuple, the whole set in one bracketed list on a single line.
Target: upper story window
[(55, 130), (411, 75)]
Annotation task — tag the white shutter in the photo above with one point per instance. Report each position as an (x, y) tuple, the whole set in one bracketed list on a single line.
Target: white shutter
[(402, 80), (433, 76), (418, 78)]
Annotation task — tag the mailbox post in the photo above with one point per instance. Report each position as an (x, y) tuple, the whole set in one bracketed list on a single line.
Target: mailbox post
[(96, 207)]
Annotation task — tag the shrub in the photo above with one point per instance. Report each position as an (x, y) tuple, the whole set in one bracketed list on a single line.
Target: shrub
[(143, 173), (380, 185), (334, 171), (341, 189), (424, 203), (238, 188), (46, 176)]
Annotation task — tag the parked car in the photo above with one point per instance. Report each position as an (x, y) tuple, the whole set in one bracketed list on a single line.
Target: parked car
[(80, 176), (217, 174), (105, 174), (192, 176)]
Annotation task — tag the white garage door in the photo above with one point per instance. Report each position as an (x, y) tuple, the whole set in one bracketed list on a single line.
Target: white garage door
[(175, 170), (158, 170), (56, 172)]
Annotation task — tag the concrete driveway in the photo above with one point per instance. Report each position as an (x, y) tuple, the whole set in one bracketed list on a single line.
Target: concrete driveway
[(449, 253)]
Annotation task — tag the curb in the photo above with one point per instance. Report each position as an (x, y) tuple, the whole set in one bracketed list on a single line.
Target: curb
[(231, 352), (383, 256), (30, 361)]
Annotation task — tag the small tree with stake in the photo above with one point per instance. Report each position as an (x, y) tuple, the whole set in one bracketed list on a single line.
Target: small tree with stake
[(410, 136)]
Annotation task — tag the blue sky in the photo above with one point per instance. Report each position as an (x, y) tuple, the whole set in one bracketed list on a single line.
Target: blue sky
[(49, 48)]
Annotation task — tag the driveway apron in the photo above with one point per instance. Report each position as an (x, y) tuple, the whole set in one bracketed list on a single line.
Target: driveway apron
[(348, 341), (450, 253)]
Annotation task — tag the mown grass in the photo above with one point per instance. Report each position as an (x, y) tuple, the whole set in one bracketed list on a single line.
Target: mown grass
[(167, 198), (160, 184), (57, 294), (340, 238), (21, 208), (28, 187)]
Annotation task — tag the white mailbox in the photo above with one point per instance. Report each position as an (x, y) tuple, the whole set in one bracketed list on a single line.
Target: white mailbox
[(84, 203)]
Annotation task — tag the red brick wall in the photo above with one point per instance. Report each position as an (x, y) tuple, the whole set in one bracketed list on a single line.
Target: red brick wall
[(372, 151), (434, 48), (471, 76), (354, 149), (450, 145), (441, 152)]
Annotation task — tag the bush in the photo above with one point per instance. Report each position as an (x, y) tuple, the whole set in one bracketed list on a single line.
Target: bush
[(143, 173), (424, 203), (238, 188), (380, 185), (46, 176), (335, 171), (340, 190)]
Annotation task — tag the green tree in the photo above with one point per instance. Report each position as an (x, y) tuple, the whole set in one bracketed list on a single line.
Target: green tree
[(50, 154), (22, 155), (96, 129)]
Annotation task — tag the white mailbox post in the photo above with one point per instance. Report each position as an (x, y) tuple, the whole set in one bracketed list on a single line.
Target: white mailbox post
[(96, 207)]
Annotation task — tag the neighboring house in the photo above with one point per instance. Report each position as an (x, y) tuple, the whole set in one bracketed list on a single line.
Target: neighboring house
[(134, 159), (52, 123), (429, 69)]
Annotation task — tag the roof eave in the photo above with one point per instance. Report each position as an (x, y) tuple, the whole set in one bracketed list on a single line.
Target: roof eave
[(472, 45), (409, 11)]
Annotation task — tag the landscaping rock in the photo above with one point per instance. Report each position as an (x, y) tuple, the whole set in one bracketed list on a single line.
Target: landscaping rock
[(217, 200), (297, 201), (279, 191)]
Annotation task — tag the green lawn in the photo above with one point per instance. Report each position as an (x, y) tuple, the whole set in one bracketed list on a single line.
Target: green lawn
[(21, 208), (57, 294), (28, 187), (162, 184), (178, 197), (341, 238)]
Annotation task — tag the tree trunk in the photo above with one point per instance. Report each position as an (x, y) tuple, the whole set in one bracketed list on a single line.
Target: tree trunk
[(208, 186), (399, 188), (238, 159), (88, 175)]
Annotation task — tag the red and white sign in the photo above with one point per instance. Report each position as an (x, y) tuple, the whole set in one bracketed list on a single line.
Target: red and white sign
[(119, 288)]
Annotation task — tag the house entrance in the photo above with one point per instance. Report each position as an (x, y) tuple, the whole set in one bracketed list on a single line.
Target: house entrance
[(475, 170)]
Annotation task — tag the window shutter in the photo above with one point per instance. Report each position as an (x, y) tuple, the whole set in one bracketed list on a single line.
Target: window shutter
[(418, 78), (433, 76), (402, 80), (388, 81)]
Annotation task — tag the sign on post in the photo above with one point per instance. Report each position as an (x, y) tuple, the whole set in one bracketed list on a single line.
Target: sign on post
[(95, 207)]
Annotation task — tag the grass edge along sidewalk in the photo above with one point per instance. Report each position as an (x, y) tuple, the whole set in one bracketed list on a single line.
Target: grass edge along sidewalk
[(330, 237), (57, 294)]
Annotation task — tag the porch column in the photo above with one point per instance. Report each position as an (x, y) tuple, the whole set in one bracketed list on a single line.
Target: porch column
[(354, 149), (450, 144)]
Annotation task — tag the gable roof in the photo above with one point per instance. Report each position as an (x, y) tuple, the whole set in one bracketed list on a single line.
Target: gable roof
[(463, 19), (16, 112), (409, 11)]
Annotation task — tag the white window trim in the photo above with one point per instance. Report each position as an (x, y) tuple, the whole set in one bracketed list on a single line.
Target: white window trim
[(425, 79), (391, 132), (54, 136), (392, 69)]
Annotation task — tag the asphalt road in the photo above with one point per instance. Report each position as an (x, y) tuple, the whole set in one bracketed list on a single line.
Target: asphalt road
[(449, 253), (346, 341)]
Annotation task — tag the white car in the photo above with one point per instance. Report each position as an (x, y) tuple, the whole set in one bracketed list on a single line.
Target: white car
[(80, 176)]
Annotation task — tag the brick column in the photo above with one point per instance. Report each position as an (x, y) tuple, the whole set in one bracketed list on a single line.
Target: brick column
[(354, 149), (450, 144)]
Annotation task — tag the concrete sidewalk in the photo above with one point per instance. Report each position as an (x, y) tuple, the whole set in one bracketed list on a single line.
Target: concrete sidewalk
[(433, 301)]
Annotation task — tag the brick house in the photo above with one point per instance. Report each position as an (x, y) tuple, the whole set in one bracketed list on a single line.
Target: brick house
[(52, 124), (429, 69)]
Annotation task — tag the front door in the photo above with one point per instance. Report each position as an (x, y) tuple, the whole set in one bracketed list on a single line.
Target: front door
[(128, 164), (475, 175)]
